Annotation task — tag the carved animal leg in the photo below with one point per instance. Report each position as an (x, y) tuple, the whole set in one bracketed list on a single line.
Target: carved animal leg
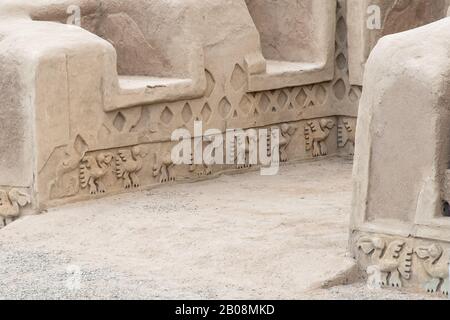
[(208, 170), (352, 148), (135, 180), (164, 177), (247, 161), (101, 187), (323, 148), (395, 280), (92, 187), (2, 223), (8, 221), (126, 181), (170, 174), (432, 285), (240, 165), (445, 287), (316, 149), (383, 279), (283, 155)]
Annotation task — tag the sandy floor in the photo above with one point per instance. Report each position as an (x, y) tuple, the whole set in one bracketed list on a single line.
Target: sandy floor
[(235, 237)]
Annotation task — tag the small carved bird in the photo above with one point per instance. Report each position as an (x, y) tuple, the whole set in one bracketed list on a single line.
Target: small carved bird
[(162, 168), (316, 133), (128, 164), (10, 204), (287, 131), (93, 169), (436, 267), (388, 259), (347, 134)]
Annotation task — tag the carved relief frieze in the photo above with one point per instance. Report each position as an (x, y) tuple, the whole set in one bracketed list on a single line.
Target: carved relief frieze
[(395, 262), (392, 261), (316, 135)]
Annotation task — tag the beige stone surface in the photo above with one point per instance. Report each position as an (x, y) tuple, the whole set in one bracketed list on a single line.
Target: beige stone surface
[(297, 39), (242, 236), (254, 241), (82, 100), (392, 17), (401, 159)]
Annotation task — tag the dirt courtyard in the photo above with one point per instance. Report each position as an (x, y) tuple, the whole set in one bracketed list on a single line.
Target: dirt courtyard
[(235, 237)]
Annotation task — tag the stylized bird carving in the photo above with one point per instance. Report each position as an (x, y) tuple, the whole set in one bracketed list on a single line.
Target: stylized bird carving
[(287, 131), (128, 164), (347, 134), (436, 267), (316, 134), (10, 204), (93, 169), (388, 259), (163, 168)]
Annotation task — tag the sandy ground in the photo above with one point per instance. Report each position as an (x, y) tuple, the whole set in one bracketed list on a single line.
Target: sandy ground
[(235, 237)]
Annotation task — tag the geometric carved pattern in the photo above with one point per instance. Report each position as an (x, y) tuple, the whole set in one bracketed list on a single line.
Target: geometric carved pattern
[(186, 113), (238, 77), (166, 115)]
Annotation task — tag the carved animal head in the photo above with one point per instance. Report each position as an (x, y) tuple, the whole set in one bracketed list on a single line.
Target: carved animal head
[(373, 270), (287, 129), (105, 158), (349, 124), (19, 197), (369, 245), (137, 151), (433, 252), (89, 161), (327, 124)]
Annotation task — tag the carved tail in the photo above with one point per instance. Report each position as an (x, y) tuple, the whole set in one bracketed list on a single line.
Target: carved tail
[(84, 175), (405, 264), (342, 136), (308, 138), (120, 171)]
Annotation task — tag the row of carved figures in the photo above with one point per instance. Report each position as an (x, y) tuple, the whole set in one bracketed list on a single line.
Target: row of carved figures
[(392, 262), (128, 162)]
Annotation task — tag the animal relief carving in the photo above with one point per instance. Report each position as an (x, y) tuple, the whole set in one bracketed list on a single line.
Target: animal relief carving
[(316, 134), (199, 169), (128, 164), (243, 144), (287, 131), (436, 265), (10, 204), (391, 262), (163, 168), (346, 133), (92, 170)]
